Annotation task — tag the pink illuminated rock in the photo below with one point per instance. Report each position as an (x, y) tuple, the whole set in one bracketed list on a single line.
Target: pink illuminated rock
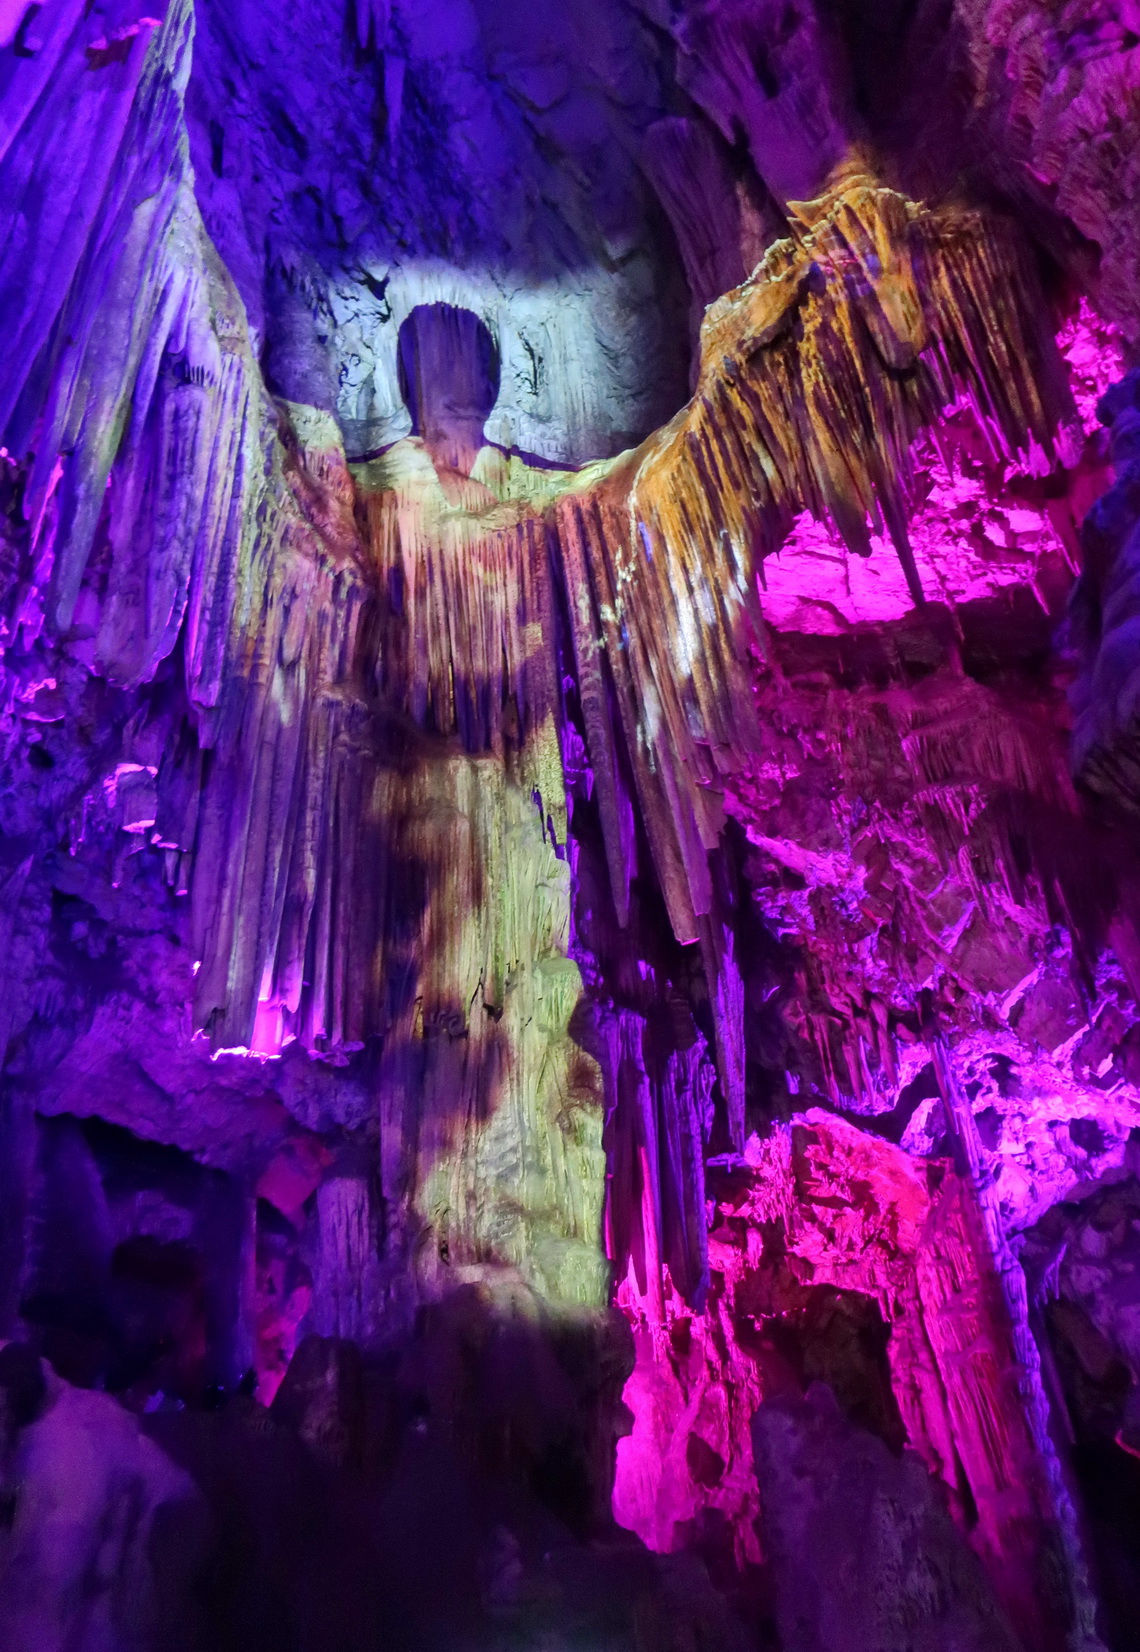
[(835, 1258)]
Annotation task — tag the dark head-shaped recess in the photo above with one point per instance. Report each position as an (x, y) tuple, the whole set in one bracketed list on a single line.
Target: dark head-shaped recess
[(449, 379)]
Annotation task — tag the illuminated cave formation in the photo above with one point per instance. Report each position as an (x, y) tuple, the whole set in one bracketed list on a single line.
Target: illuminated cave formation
[(569, 900)]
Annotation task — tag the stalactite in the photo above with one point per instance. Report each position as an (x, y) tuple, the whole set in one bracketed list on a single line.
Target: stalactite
[(816, 377), (660, 1100)]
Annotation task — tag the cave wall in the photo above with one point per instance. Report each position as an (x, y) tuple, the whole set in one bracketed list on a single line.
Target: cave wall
[(500, 859)]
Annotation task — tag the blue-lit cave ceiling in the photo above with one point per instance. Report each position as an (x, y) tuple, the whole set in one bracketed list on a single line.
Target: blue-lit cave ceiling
[(484, 156)]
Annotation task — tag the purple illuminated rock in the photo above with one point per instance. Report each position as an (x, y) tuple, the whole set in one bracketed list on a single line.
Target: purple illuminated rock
[(866, 1558)]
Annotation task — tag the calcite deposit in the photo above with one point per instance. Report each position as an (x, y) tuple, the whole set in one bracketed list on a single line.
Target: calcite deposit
[(569, 968)]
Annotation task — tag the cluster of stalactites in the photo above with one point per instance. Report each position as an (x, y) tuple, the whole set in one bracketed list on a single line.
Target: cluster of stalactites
[(816, 376), (462, 640), (341, 643)]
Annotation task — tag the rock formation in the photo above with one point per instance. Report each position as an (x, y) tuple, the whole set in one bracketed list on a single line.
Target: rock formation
[(570, 970)]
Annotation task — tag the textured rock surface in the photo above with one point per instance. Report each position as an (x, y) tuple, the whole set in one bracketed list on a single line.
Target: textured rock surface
[(1105, 611), (102, 1531), (1057, 85), (479, 835), (412, 155), (1081, 1267), (837, 1259), (834, 1500)]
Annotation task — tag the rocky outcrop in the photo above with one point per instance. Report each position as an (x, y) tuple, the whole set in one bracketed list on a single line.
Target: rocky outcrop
[(1104, 611), (836, 1502), (836, 1259), (1080, 1267), (1054, 97), (102, 1532)]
